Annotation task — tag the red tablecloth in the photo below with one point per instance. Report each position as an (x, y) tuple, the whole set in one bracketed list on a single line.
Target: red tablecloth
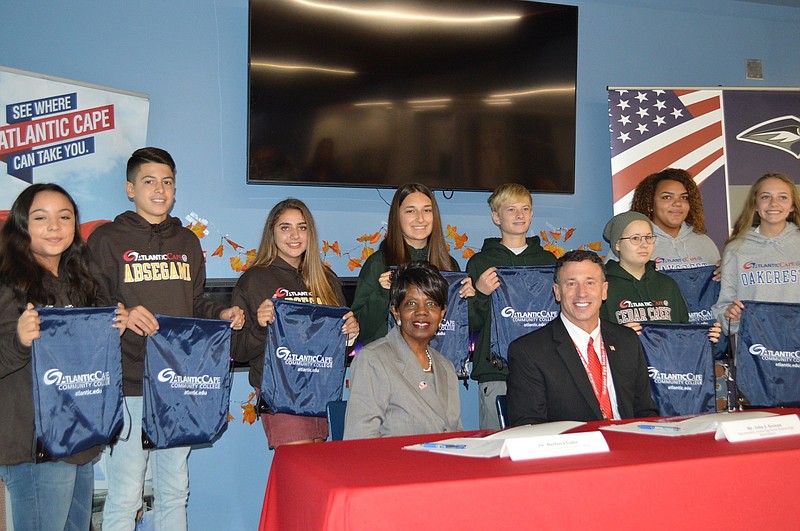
[(644, 482)]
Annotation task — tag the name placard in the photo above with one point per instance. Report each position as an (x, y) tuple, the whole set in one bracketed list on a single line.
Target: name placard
[(752, 429), (556, 445)]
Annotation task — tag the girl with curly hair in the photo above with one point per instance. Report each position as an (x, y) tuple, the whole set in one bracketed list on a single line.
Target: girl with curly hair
[(672, 201)]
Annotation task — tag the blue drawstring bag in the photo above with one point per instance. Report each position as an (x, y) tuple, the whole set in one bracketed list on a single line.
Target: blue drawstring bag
[(768, 354), (77, 380), (523, 303), (680, 362), (700, 292), (304, 358), (187, 382)]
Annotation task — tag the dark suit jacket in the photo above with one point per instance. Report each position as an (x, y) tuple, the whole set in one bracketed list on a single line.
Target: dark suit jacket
[(547, 381)]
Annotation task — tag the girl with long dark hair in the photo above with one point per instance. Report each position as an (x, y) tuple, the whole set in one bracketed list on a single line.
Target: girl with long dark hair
[(43, 262), (414, 233)]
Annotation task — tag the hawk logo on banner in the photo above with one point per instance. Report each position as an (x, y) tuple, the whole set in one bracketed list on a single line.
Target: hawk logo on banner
[(656, 129), (780, 133)]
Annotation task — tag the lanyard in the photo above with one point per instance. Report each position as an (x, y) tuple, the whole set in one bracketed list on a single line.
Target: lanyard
[(603, 363)]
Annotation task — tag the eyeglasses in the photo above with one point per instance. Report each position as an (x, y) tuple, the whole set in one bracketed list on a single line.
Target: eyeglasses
[(637, 240)]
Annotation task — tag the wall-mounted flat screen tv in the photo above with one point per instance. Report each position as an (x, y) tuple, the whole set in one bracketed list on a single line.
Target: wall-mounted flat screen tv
[(457, 94)]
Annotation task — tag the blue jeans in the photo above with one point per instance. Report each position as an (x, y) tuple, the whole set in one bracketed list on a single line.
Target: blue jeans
[(126, 467), (49, 496)]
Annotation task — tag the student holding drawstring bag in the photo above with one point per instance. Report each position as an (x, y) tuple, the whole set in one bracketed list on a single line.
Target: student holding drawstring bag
[(760, 261), (287, 267), (43, 262)]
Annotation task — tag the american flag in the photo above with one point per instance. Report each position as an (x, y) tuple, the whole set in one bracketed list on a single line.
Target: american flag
[(656, 129)]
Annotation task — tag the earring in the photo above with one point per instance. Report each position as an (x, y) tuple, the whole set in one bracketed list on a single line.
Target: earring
[(399, 323)]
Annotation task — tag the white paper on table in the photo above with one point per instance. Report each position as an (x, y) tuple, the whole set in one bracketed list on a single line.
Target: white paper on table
[(587, 442), (751, 429), (707, 423), (493, 445)]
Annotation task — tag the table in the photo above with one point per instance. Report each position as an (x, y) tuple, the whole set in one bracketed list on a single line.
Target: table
[(644, 482)]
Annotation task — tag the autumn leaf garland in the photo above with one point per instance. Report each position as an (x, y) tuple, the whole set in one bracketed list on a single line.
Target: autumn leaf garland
[(552, 241)]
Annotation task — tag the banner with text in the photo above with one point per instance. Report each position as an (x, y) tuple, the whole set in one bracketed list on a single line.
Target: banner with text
[(74, 134)]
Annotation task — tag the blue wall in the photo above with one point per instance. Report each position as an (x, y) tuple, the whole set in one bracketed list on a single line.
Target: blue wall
[(190, 56)]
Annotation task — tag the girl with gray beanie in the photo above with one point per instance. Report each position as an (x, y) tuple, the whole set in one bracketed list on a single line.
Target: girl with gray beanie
[(637, 293)]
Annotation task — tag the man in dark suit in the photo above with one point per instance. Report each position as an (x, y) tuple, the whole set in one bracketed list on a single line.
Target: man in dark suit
[(578, 367)]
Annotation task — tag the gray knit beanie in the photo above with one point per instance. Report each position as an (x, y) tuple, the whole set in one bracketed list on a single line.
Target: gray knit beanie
[(616, 226)]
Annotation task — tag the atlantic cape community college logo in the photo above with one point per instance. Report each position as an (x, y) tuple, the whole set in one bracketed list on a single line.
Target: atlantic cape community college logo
[(296, 296), (90, 383), (192, 385), (781, 358), (529, 319), (701, 316), (675, 381), (678, 262), (448, 325), (304, 362)]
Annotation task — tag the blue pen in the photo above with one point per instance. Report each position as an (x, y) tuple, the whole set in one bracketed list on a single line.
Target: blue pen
[(441, 445), (650, 427)]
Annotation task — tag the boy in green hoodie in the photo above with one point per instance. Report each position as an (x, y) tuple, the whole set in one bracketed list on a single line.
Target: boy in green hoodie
[(512, 211)]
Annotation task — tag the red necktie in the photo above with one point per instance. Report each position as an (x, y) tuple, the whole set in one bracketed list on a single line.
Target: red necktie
[(596, 374)]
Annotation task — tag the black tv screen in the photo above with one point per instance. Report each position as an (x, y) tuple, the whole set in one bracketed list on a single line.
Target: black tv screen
[(457, 94)]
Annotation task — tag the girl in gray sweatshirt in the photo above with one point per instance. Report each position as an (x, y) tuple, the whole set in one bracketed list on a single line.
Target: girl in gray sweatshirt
[(672, 201), (761, 261)]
